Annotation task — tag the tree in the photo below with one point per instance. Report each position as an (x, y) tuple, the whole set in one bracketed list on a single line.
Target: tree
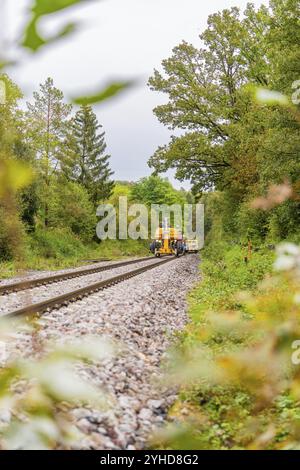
[(8, 111), (206, 100), (13, 174), (47, 125), (28, 197), (86, 161), (156, 190), (227, 140)]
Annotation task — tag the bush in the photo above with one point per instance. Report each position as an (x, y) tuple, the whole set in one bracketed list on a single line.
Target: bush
[(11, 236), (56, 244), (284, 221), (70, 207), (252, 223)]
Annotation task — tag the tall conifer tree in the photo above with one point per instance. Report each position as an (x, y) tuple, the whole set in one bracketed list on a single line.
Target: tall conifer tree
[(86, 160)]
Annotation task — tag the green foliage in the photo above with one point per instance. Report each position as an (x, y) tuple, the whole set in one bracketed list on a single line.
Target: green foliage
[(283, 221), (36, 139), (14, 175), (57, 244), (29, 206), (108, 92), (225, 273), (156, 190), (85, 159), (119, 248), (60, 248), (33, 40), (231, 141), (71, 175), (70, 207), (47, 122), (239, 387), (46, 139), (45, 7), (10, 232), (121, 189), (240, 381), (47, 125)]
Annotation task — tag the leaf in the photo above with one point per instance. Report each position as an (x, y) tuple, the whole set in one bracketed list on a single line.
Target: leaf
[(271, 97), (46, 7), (14, 176), (6, 63), (7, 375), (60, 382), (33, 40), (111, 90), (37, 434), (288, 257), (67, 29), (91, 349)]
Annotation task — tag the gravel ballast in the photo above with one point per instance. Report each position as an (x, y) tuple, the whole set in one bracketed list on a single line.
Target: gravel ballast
[(140, 314), (16, 300), (31, 275)]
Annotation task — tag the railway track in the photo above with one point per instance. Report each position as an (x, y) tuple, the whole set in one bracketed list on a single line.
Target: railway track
[(43, 281), (65, 299)]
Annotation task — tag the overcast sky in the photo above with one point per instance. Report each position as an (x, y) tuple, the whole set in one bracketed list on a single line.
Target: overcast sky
[(118, 39)]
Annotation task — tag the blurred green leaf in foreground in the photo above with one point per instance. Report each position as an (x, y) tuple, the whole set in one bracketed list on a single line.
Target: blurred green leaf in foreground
[(33, 38)]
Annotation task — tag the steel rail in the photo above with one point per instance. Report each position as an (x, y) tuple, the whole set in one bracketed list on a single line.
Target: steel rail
[(43, 281), (62, 300)]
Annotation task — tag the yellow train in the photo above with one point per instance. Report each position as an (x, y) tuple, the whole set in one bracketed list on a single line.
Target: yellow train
[(168, 241)]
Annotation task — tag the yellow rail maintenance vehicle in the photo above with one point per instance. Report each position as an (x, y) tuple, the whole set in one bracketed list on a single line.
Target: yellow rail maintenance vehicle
[(168, 241)]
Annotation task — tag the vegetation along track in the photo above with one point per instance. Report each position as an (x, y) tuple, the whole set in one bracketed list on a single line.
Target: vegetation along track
[(57, 302), (43, 281)]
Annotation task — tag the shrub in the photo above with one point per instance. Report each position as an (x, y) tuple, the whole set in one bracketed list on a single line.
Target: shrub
[(70, 207), (56, 243)]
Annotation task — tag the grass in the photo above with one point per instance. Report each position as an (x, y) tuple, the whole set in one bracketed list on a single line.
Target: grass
[(218, 411), (224, 274), (59, 249)]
